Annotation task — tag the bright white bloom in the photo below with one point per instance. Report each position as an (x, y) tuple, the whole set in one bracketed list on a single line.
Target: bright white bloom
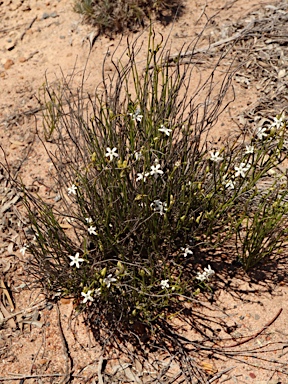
[(92, 231), (76, 260), (108, 280), (201, 276), (186, 251), (278, 123), (261, 133), (241, 170), (88, 220), (230, 184), (165, 130), (72, 189), (249, 149), (209, 272), (23, 250), (142, 176), (164, 284), (215, 156), (111, 153), (156, 170), (87, 296), (159, 207), (136, 116), (138, 155)]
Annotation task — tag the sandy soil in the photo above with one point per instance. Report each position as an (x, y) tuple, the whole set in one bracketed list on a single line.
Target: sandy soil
[(43, 341)]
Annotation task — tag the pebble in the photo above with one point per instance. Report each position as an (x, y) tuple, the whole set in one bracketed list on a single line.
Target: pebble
[(47, 15), (8, 64)]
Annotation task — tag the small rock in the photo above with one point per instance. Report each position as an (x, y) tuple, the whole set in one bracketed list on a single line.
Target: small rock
[(45, 16), (8, 64), (54, 14), (10, 46), (22, 59)]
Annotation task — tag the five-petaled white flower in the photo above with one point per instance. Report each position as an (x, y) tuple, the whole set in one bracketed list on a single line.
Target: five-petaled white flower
[(92, 231), (201, 276), (136, 116), (214, 156), (108, 280), (76, 260), (87, 296), (261, 133), (249, 149), (186, 251), (159, 207), (72, 190), (111, 153), (89, 220), (23, 250), (241, 170), (142, 176), (156, 170), (165, 130), (164, 284), (278, 122)]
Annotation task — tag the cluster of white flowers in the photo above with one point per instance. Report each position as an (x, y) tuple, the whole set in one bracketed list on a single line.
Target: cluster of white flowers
[(159, 207), (136, 116), (208, 272), (278, 123), (155, 170)]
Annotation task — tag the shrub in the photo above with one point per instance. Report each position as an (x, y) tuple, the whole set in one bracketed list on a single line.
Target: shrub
[(145, 194), (119, 16)]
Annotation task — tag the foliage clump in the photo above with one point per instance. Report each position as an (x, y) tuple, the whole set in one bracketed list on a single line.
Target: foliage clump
[(144, 194), (122, 15)]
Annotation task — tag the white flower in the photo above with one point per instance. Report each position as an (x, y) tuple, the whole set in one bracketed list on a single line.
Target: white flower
[(159, 207), (142, 176), (261, 133), (249, 149), (165, 130), (108, 280), (209, 272), (111, 153), (87, 296), (92, 231), (72, 189), (136, 116), (241, 170), (138, 155), (201, 276), (156, 170), (230, 184), (186, 251), (215, 156), (164, 284), (76, 260), (23, 250), (278, 123), (88, 220)]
